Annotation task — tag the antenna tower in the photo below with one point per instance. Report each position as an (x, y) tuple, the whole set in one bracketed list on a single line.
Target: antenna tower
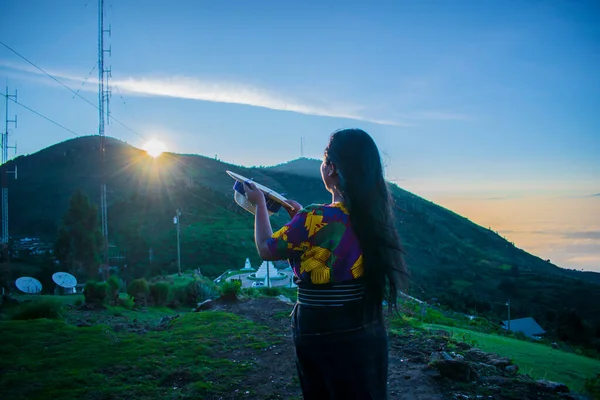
[(5, 236), (103, 118)]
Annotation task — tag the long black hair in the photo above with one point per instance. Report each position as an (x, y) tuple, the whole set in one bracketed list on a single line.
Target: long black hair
[(366, 195)]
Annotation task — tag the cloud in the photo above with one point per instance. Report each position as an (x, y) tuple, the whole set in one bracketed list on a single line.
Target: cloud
[(592, 235), (214, 91), (434, 116), (238, 93)]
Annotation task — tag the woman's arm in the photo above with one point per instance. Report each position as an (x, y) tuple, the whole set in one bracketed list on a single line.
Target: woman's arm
[(263, 231), (262, 224)]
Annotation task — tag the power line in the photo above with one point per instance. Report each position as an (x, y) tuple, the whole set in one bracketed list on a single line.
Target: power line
[(67, 87), (43, 116)]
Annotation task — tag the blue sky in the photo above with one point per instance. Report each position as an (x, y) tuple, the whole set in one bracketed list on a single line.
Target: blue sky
[(487, 107)]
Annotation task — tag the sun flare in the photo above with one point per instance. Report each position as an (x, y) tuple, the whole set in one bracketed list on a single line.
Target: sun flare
[(155, 148)]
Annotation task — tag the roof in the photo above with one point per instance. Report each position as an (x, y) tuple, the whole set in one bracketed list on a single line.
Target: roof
[(526, 325)]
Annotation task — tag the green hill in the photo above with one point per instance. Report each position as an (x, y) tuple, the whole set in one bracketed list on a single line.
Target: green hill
[(463, 265)]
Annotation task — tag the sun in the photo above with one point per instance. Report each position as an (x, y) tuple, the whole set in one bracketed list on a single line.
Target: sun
[(155, 148)]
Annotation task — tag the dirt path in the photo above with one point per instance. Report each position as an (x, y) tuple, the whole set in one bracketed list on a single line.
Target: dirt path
[(275, 374)]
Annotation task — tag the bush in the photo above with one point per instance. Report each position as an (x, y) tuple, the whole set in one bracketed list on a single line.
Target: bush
[(159, 292), (95, 292), (139, 290), (114, 284), (42, 308), (271, 291), (200, 290), (232, 287), (126, 303), (78, 302), (251, 292), (592, 386)]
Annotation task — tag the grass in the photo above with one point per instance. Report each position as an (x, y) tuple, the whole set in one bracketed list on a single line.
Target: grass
[(97, 363), (537, 360)]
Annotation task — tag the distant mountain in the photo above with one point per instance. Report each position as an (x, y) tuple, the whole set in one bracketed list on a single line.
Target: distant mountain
[(461, 264), (306, 167)]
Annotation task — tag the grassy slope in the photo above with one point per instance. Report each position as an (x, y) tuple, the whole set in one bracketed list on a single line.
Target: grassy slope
[(97, 363), (537, 360), (467, 267)]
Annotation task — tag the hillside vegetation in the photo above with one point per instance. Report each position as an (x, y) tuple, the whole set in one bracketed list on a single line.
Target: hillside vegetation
[(461, 265)]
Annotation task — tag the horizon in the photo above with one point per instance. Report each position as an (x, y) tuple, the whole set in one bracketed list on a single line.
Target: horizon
[(488, 110)]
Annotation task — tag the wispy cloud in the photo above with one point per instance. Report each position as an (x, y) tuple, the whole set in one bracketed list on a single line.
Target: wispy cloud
[(192, 88), (592, 235), (434, 115)]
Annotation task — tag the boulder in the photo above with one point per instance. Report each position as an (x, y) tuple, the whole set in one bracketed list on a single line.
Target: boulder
[(513, 369), (205, 305), (500, 363), (484, 369), (458, 370), (551, 387), (477, 355)]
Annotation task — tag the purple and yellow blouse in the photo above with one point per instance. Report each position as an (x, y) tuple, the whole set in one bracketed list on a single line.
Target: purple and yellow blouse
[(320, 245)]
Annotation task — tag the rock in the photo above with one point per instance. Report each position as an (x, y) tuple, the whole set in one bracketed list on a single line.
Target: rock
[(497, 380), (456, 370), (484, 369), (512, 368), (477, 355), (500, 363), (84, 324), (439, 356), (463, 346), (205, 305), (284, 299), (551, 387)]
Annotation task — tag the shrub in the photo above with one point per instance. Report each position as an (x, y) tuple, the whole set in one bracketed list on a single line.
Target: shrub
[(78, 302), (271, 291), (126, 303), (592, 386), (251, 292), (139, 290), (42, 308), (232, 287), (95, 292), (114, 284), (200, 290), (159, 292)]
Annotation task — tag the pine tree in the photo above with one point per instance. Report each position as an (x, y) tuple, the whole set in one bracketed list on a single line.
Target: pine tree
[(78, 241)]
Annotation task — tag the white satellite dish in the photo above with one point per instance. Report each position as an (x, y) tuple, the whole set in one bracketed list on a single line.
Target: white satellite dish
[(64, 279), (28, 285)]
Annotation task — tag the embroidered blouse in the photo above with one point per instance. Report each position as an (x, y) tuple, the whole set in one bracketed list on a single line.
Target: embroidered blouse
[(320, 245)]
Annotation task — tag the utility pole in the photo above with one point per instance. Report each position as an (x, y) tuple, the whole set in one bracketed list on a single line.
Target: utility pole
[(5, 235), (268, 274), (103, 118), (508, 305), (176, 221)]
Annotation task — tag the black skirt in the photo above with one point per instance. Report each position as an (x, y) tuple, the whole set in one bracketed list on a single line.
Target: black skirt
[(338, 356)]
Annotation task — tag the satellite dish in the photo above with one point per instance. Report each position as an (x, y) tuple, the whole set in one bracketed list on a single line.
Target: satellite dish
[(274, 200), (64, 279), (28, 285)]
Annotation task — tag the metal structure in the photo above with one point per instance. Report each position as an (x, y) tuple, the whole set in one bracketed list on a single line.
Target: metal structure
[(5, 148), (103, 119), (4, 237)]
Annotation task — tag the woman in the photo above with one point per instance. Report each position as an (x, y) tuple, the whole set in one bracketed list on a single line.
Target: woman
[(347, 259)]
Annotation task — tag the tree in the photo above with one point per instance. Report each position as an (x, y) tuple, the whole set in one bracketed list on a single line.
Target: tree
[(77, 244)]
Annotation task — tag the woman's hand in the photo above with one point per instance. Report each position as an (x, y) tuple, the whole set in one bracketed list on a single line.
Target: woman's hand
[(254, 195), (297, 207)]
